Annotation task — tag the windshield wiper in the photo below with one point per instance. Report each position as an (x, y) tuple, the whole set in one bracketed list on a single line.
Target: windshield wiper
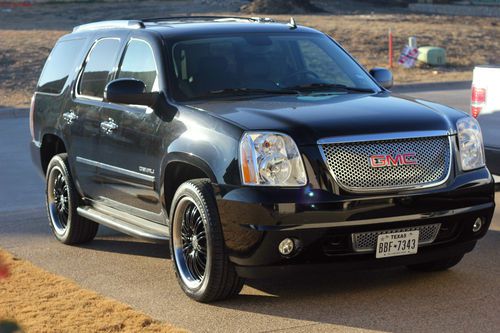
[(253, 91), (328, 86)]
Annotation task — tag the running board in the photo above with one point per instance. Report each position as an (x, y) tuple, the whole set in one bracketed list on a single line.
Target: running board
[(157, 234)]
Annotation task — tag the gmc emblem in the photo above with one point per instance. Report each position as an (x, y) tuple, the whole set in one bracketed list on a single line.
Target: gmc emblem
[(381, 161)]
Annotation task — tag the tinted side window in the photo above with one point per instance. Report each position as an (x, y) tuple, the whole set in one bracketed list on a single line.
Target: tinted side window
[(99, 64), (139, 63), (60, 63)]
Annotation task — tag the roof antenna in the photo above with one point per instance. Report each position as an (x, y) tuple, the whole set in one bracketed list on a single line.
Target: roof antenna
[(292, 24)]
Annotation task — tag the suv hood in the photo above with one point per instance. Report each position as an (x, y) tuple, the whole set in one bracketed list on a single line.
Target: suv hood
[(312, 117)]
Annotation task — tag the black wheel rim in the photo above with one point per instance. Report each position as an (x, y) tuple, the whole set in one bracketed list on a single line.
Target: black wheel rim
[(190, 243), (194, 242), (58, 200)]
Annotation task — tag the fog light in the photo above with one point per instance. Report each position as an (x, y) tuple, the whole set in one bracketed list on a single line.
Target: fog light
[(478, 224), (286, 247)]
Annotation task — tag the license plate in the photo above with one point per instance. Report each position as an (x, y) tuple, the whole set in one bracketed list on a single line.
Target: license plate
[(397, 244)]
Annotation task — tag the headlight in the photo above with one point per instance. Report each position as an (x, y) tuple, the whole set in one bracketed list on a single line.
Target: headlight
[(270, 159), (470, 144)]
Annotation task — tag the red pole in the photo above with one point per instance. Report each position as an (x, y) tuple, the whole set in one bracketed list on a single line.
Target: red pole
[(391, 54)]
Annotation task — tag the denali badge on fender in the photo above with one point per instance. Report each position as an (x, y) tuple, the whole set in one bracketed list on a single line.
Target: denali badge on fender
[(221, 169), (380, 161)]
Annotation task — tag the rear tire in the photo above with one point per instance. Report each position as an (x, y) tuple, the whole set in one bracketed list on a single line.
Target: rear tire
[(62, 200), (438, 265), (199, 255)]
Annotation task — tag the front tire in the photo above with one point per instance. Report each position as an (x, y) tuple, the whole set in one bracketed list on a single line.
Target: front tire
[(201, 264), (62, 201), (438, 265)]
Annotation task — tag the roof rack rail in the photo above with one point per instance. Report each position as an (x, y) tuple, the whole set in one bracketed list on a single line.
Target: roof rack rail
[(208, 17), (262, 19), (127, 24)]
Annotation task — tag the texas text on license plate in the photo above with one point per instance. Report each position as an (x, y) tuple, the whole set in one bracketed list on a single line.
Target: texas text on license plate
[(397, 244)]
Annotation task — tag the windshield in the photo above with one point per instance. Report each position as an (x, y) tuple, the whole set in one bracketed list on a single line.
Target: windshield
[(261, 63)]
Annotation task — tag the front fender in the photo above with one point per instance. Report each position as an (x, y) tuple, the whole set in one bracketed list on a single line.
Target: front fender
[(187, 158), (208, 143)]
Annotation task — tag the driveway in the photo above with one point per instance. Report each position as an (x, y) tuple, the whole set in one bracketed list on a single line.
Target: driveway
[(464, 299)]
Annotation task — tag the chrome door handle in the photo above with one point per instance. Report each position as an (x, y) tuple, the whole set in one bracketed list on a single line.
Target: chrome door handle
[(109, 126), (70, 117)]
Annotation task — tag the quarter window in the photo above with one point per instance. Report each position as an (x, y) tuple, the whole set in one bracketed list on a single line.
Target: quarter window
[(99, 65), (139, 63), (59, 65)]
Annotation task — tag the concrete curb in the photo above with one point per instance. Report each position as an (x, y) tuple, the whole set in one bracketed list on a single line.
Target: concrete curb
[(413, 87), (13, 113)]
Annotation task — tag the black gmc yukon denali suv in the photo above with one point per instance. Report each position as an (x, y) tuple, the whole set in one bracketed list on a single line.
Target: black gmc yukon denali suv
[(253, 148)]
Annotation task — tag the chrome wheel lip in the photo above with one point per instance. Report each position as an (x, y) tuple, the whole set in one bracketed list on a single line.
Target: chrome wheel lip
[(185, 255), (58, 200)]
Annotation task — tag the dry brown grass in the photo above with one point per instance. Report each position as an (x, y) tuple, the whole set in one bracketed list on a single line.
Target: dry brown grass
[(22, 55), (469, 41), (44, 302)]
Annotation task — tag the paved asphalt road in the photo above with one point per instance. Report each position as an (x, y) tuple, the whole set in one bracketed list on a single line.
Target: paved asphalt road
[(465, 299)]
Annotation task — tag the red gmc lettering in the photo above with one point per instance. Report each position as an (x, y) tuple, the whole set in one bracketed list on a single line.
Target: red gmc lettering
[(409, 159), (379, 161), (397, 160)]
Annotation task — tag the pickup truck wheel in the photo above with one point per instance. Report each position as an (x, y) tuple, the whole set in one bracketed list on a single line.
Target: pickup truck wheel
[(438, 265), (197, 245), (62, 201)]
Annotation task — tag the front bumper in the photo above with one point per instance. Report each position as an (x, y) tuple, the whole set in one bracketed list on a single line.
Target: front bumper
[(255, 220), (350, 263)]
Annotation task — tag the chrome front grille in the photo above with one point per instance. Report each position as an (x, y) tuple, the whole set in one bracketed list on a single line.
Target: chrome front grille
[(367, 241), (349, 163)]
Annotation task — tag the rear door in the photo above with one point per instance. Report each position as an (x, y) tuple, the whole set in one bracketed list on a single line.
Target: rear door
[(129, 145), (83, 113)]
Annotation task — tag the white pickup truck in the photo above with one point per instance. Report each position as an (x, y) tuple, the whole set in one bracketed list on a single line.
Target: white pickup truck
[(485, 107)]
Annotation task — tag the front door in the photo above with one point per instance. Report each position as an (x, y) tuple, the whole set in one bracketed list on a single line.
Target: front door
[(129, 146)]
